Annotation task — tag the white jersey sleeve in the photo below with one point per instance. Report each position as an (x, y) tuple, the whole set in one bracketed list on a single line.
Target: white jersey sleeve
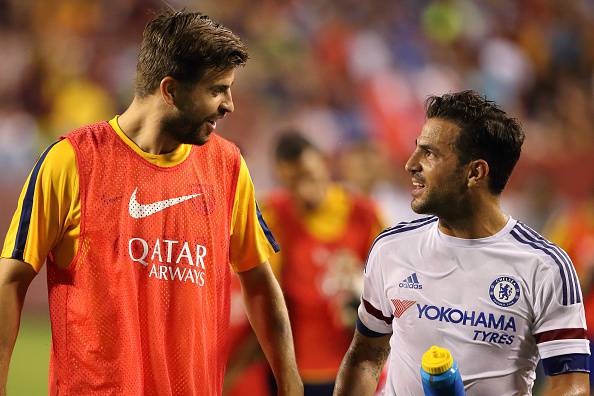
[(375, 311), (559, 323)]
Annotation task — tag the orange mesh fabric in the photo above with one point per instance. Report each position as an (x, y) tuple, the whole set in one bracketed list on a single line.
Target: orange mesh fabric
[(144, 307), (307, 278)]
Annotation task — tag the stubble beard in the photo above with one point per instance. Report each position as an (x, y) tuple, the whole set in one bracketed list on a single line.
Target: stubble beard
[(186, 131), (442, 204), (426, 204)]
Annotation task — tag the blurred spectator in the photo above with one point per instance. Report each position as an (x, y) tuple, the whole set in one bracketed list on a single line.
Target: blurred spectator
[(18, 135), (365, 169), (325, 233), (337, 71)]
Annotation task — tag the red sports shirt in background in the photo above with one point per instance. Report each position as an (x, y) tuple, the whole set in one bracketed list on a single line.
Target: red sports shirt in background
[(311, 270)]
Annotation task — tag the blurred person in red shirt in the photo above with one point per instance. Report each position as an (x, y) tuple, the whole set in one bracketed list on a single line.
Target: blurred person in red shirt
[(365, 167), (326, 232)]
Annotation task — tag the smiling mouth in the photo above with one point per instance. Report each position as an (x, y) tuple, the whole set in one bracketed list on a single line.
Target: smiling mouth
[(210, 126), (418, 187)]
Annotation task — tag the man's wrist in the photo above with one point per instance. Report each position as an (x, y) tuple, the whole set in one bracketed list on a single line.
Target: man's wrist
[(290, 386)]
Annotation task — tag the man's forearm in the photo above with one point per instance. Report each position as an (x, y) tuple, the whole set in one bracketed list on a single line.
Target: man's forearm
[(356, 377), (362, 365), (274, 334), (269, 317), (10, 314), (570, 384), (13, 288)]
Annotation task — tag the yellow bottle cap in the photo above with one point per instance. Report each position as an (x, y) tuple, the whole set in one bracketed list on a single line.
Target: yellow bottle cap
[(437, 360)]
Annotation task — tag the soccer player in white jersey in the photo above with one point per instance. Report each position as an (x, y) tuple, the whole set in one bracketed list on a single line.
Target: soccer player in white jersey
[(469, 278)]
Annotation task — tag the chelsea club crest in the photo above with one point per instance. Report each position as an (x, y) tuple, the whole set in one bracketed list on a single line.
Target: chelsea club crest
[(504, 291)]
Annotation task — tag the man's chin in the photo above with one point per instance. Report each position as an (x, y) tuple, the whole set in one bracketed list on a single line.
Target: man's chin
[(419, 207), (198, 139), (203, 135)]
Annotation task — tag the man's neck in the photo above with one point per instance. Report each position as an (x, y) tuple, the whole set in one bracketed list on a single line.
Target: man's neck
[(141, 122), (482, 219)]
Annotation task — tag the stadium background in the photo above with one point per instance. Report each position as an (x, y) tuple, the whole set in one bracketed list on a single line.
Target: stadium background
[(343, 72)]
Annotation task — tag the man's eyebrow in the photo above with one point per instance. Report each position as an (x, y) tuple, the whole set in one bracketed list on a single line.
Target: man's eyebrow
[(427, 147)]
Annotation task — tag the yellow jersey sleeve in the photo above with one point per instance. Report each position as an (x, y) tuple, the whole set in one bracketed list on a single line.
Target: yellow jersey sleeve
[(47, 208), (252, 242)]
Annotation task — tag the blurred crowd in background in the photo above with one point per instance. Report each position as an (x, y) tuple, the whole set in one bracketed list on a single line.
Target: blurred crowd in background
[(344, 72), (351, 75)]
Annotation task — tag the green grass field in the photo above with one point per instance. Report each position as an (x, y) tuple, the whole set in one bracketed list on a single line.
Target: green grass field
[(30, 359)]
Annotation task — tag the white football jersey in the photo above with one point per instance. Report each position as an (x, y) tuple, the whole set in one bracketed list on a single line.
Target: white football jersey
[(498, 304)]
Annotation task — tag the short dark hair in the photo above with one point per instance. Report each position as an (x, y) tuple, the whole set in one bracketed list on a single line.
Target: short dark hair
[(184, 45), (291, 145), (487, 133)]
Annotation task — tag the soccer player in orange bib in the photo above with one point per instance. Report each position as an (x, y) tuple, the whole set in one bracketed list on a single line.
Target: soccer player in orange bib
[(142, 220), (325, 232)]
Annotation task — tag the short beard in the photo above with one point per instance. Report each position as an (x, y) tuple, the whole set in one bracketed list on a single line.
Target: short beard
[(184, 131), (444, 204)]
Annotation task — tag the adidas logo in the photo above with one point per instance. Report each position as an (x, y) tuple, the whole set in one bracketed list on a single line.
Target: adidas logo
[(411, 282)]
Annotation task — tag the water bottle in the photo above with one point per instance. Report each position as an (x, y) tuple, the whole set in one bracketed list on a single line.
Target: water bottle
[(439, 373)]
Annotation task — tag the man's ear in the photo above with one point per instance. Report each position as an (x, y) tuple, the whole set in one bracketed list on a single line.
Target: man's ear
[(169, 88), (478, 171)]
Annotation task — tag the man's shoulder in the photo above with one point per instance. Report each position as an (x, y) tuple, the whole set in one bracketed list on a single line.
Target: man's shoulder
[(227, 147), (403, 231), (57, 159), (529, 242), (89, 129), (222, 157)]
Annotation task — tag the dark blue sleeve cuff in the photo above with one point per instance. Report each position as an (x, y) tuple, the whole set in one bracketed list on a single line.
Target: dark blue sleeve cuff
[(575, 362), (366, 331)]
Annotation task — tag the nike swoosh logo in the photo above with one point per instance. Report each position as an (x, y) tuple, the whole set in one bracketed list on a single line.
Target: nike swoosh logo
[(138, 210)]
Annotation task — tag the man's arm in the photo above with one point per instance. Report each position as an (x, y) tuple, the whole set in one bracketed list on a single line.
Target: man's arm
[(570, 384), (268, 315), (15, 277), (362, 365)]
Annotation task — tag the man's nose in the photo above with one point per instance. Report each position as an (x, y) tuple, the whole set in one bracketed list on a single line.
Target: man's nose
[(227, 105), (412, 165)]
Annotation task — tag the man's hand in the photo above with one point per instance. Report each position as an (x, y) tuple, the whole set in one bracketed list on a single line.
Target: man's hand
[(15, 277), (268, 315), (570, 384), (362, 365)]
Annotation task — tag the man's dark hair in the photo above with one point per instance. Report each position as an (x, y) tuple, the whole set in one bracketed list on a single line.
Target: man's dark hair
[(291, 145), (487, 133), (184, 45)]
